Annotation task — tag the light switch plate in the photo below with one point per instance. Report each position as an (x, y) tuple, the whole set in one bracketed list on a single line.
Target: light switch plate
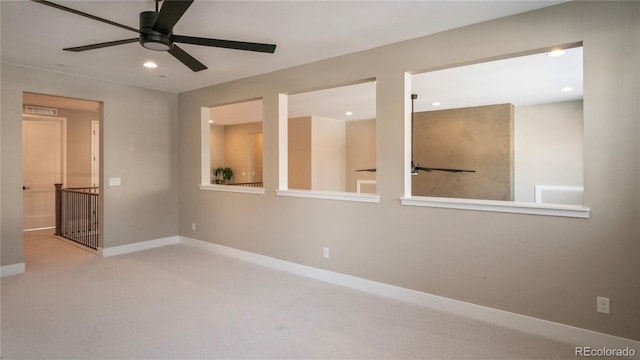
[(602, 304), (115, 181)]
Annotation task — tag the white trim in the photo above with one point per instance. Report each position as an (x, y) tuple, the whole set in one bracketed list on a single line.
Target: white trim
[(283, 141), (361, 182), (13, 269), (138, 246), (36, 229), (232, 188), (205, 150), (330, 195), (527, 324), (540, 188), (575, 211)]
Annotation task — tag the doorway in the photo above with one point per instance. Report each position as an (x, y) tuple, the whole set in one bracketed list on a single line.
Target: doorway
[(61, 145)]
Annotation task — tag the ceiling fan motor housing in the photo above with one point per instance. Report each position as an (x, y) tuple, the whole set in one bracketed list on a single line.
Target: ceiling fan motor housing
[(151, 39)]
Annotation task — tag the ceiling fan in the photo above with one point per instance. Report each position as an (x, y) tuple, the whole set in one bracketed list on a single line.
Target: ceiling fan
[(415, 167), (156, 33)]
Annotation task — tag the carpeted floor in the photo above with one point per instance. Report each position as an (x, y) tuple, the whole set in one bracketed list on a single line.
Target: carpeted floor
[(179, 302)]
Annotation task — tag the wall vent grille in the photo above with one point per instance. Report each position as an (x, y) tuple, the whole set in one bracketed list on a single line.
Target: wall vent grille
[(41, 110)]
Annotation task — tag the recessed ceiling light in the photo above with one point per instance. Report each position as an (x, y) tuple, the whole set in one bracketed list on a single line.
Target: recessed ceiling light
[(566, 89), (435, 103), (348, 113), (557, 52), (150, 65), (210, 121)]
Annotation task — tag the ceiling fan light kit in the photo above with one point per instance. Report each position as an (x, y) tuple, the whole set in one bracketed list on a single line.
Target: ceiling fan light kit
[(149, 38), (156, 33)]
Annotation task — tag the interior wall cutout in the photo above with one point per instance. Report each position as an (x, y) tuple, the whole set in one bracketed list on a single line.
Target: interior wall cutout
[(331, 139), (58, 147), (235, 139), (516, 123), (81, 115)]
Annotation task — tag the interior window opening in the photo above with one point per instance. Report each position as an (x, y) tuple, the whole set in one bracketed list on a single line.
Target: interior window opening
[(507, 130), (236, 144), (332, 139)]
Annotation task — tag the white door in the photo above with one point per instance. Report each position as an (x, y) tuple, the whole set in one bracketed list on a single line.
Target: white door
[(43, 164)]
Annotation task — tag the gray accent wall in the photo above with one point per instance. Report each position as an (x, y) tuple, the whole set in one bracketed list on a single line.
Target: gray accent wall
[(546, 267), (476, 138)]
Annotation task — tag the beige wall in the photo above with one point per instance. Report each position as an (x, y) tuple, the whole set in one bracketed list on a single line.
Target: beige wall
[(216, 147), (139, 137), (79, 146), (361, 152), (316, 153), (238, 151), (546, 267), (327, 154), (475, 138), (549, 147), (299, 153)]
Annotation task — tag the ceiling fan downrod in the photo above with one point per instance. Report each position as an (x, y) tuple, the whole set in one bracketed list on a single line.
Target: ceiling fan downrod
[(415, 167)]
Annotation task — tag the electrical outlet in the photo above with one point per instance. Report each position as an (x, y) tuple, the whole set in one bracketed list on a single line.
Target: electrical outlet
[(325, 252), (193, 226), (602, 304)]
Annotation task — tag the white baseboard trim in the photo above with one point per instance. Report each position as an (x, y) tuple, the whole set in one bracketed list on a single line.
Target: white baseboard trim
[(138, 246), (13, 269), (527, 324), (38, 229)]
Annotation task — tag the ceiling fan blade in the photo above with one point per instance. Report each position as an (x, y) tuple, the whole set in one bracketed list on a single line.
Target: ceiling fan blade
[(186, 59), (170, 12), (367, 170), (78, 12), (443, 169), (101, 45), (227, 44)]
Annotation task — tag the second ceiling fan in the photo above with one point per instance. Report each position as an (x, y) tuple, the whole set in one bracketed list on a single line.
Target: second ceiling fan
[(415, 167), (156, 33)]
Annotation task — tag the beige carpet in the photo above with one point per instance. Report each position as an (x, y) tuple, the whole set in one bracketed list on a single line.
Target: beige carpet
[(179, 302)]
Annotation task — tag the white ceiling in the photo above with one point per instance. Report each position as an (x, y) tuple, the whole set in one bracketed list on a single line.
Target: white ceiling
[(33, 35), (524, 80)]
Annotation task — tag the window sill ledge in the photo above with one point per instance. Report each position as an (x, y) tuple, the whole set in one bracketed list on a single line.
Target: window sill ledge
[(575, 211), (330, 195), (231, 188)]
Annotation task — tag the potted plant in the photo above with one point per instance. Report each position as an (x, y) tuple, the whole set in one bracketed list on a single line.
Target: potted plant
[(224, 172)]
